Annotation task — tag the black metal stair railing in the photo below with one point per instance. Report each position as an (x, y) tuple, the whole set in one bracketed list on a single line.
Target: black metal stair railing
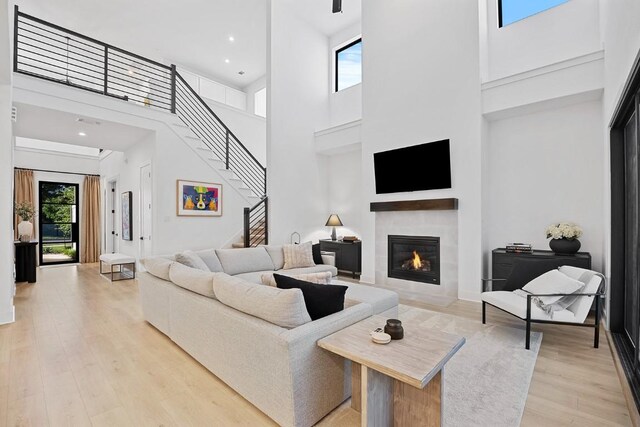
[(256, 222), (51, 52), (217, 137)]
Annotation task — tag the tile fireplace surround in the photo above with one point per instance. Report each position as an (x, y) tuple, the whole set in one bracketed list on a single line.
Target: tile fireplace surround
[(436, 223)]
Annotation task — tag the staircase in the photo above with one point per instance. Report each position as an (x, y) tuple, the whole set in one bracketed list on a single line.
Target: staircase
[(48, 51)]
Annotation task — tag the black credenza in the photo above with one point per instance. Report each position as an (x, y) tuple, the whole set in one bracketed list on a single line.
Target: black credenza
[(520, 268), (26, 261), (348, 255)]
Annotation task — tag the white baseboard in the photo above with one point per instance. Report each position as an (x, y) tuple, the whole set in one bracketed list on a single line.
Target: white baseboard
[(368, 280), (469, 296), (8, 316)]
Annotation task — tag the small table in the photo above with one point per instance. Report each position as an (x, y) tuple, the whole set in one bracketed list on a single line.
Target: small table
[(119, 260), (399, 383), (348, 254), (26, 261)]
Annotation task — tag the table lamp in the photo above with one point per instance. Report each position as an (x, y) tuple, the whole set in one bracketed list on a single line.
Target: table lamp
[(333, 221)]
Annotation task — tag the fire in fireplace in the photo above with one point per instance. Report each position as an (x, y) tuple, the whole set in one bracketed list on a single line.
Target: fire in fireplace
[(414, 258)]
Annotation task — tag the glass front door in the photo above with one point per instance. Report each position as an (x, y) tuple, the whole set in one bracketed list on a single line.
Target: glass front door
[(59, 225)]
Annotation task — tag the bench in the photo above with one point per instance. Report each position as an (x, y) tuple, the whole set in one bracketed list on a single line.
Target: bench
[(121, 261)]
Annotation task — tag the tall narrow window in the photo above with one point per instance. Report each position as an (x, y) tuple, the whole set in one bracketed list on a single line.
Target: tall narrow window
[(510, 11), (260, 103), (348, 62), (59, 226)]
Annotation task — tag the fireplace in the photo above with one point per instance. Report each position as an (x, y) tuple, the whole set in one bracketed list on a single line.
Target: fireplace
[(414, 258)]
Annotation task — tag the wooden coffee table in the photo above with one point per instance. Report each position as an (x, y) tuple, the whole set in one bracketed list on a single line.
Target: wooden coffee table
[(399, 383)]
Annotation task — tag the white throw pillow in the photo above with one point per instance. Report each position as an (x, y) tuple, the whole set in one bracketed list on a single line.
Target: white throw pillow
[(322, 278), (553, 282), (191, 259), (298, 256), (282, 307), (193, 279)]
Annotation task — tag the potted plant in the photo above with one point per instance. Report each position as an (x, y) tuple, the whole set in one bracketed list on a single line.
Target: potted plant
[(564, 237), (26, 212)]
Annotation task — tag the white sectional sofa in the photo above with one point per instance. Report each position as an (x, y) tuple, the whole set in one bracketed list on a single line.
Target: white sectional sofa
[(280, 370)]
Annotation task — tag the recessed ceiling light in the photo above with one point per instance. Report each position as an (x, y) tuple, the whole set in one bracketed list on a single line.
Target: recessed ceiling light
[(226, 61), (231, 38), (82, 133)]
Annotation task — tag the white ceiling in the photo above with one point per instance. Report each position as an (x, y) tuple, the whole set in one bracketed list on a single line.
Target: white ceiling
[(191, 33), (58, 126), (318, 14)]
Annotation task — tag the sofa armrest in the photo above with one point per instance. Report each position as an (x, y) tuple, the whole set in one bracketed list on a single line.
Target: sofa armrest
[(313, 331), (328, 258)]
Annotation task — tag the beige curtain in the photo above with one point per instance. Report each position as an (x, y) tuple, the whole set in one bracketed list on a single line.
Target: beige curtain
[(90, 236), (23, 192)]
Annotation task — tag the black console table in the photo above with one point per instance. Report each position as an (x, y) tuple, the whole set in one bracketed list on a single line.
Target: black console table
[(348, 255), (520, 268), (26, 261)]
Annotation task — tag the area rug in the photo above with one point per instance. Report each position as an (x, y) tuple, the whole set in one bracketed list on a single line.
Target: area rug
[(486, 383)]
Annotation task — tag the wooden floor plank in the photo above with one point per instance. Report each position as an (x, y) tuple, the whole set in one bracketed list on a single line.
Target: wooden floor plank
[(80, 352)]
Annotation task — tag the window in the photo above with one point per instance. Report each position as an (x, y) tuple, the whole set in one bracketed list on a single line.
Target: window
[(260, 102), (348, 62), (510, 11)]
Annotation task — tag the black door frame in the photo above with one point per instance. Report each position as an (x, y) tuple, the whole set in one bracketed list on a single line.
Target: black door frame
[(75, 227), (628, 103)]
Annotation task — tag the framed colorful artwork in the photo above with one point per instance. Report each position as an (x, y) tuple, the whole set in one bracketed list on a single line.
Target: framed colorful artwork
[(198, 198), (126, 204)]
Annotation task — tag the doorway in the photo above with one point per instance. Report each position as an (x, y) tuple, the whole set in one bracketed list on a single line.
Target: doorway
[(59, 224), (145, 210), (111, 229)]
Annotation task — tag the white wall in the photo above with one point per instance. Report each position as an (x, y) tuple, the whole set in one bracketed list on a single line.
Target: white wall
[(344, 192), (298, 92), (250, 129), (543, 168), (6, 172), (563, 32), (418, 89), (34, 159)]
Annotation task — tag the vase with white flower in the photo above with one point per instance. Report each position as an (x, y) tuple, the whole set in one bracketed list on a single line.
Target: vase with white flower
[(26, 212), (564, 237)]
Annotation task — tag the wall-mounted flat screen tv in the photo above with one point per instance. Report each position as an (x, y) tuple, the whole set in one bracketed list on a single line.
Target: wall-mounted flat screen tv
[(415, 168)]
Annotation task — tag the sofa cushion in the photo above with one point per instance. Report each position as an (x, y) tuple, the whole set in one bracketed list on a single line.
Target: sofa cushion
[(321, 278), (282, 307), (191, 259), (244, 260), (276, 254), (317, 254), (158, 266), (298, 256), (193, 279), (252, 276), (315, 269), (320, 300), (379, 299), (211, 259)]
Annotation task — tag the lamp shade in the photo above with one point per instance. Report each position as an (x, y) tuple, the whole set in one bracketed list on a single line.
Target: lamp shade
[(334, 221)]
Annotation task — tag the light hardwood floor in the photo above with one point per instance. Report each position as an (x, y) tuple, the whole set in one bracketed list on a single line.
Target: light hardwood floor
[(80, 353)]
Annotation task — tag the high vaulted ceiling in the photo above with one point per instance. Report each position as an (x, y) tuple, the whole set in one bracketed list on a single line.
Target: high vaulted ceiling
[(318, 14), (191, 33)]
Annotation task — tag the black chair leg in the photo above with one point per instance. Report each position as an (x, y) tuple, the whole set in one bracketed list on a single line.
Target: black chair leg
[(528, 336), (596, 336), (484, 312)]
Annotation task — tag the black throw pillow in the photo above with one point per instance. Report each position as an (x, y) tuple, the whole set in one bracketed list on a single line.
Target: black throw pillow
[(321, 300), (317, 256)]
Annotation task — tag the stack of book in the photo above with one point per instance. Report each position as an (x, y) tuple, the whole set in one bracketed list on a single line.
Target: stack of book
[(519, 248)]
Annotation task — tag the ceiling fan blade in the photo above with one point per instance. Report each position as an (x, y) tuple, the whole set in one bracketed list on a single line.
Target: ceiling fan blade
[(337, 6)]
